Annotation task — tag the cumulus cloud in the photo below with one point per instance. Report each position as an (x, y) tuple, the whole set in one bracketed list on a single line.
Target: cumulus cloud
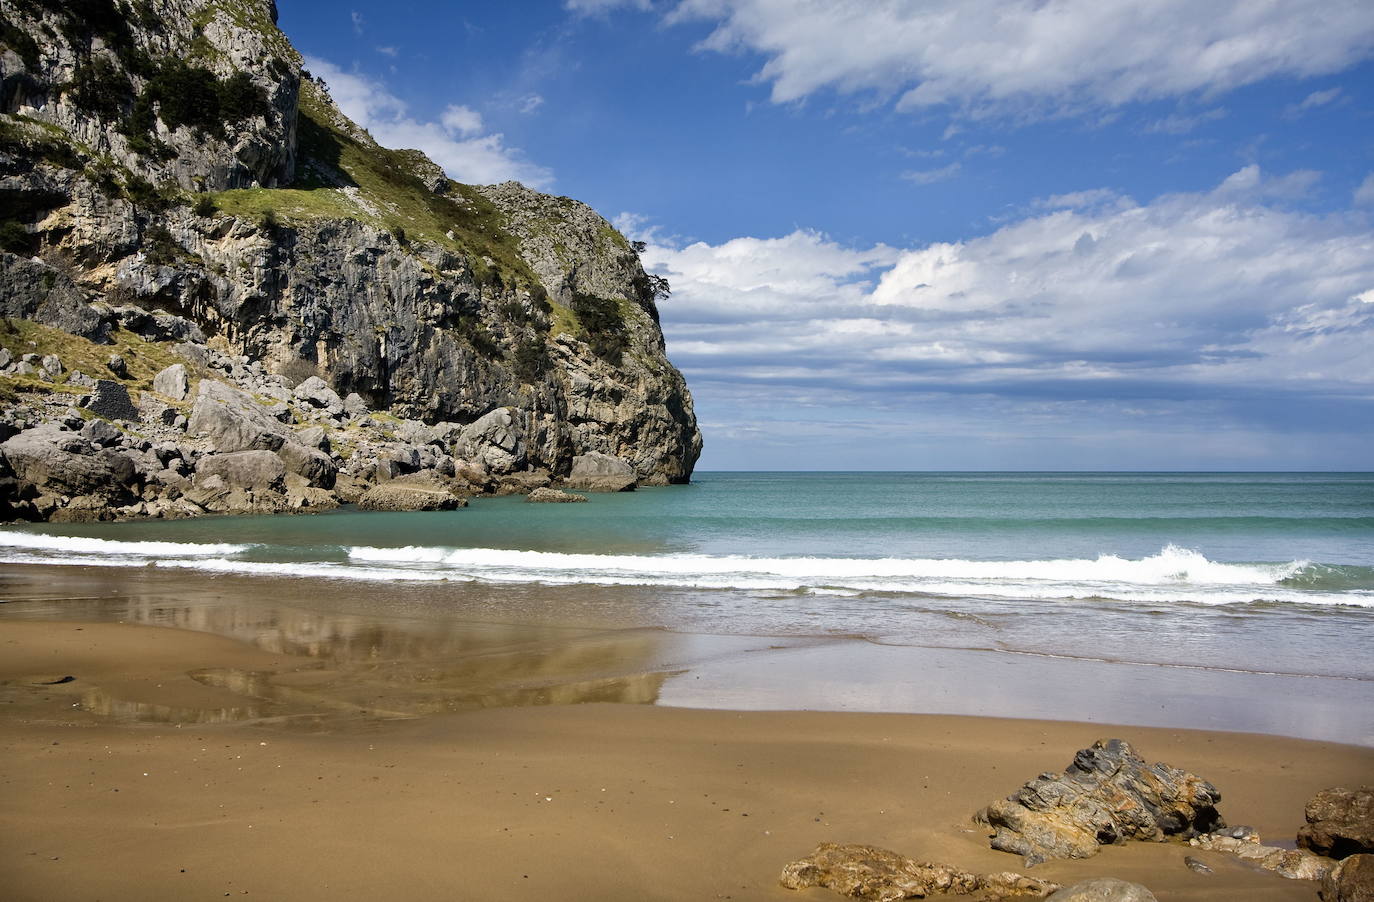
[(989, 57), (1219, 295), (456, 141)]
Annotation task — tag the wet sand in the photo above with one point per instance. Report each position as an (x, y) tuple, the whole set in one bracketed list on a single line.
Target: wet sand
[(279, 739)]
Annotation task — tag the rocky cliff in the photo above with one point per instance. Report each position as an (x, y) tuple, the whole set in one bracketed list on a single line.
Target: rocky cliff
[(176, 192)]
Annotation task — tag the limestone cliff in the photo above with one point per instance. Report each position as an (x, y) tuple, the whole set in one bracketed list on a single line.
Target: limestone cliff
[(170, 175)]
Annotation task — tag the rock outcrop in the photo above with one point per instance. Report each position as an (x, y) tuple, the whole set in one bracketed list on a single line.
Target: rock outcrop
[(1104, 889), (868, 872), (1340, 822), (286, 271), (1108, 794), (1352, 880), (1295, 864)]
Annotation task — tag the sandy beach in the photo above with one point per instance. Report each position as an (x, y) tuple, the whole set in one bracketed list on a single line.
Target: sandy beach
[(178, 763)]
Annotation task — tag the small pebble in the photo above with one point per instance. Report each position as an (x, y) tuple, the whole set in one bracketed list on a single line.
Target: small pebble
[(1195, 865)]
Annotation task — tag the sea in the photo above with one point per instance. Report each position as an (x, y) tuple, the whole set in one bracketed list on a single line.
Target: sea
[(1195, 573)]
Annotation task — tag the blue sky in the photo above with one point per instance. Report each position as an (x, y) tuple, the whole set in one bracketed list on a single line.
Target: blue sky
[(941, 234)]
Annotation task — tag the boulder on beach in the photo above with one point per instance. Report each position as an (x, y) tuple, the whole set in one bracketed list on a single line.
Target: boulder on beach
[(1104, 889), (1108, 794), (1352, 880), (868, 872), (1340, 822)]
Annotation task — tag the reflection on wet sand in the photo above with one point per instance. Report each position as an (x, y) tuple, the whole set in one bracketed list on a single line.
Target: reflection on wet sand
[(342, 660)]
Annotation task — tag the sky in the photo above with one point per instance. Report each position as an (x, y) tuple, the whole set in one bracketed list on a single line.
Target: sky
[(940, 234)]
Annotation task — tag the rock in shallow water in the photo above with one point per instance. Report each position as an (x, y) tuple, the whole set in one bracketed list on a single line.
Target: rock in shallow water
[(1107, 795)]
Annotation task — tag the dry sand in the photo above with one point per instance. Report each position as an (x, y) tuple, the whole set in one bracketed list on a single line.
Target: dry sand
[(587, 801)]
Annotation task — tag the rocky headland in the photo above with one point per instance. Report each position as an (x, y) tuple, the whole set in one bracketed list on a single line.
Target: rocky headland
[(220, 295)]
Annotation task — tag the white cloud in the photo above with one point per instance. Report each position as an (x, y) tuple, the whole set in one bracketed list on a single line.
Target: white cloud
[(1180, 124), (388, 51), (463, 120), (1312, 101), (358, 21), (530, 102), (455, 142), (1364, 195), (931, 176), (594, 7), (1023, 56), (1210, 295)]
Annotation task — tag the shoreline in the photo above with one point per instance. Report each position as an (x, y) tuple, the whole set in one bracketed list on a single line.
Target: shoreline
[(342, 753)]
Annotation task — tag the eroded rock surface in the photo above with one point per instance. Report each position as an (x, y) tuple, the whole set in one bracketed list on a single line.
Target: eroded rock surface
[(1295, 864), (1104, 889), (1351, 880), (868, 872), (1108, 794), (1340, 822)]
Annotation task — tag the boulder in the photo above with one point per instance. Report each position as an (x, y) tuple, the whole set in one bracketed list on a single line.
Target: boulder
[(494, 441), (117, 365), (1104, 889), (1108, 794), (110, 399), (868, 872), (597, 472), (1340, 822), (411, 495), (101, 432), (232, 420), (545, 495), (173, 382), (1295, 864), (60, 463), (317, 467), (314, 437), (256, 470), (354, 406), (317, 393), (1352, 880)]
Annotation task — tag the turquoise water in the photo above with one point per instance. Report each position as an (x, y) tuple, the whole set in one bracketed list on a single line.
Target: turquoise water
[(1249, 571)]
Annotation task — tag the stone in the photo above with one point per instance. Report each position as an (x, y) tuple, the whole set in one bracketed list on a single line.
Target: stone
[(118, 366), (83, 509), (1108, 794), (354, 406), (51, 365), (5, 358), (257, 470), (414, 432), (59, 463), (313, 437), (314, 465), (597, 472), (1351, 880), (110, 399), (173, 382), (101, 432), (232, 421), (317, 393), (1196, 866), (1104, 889), (1295, 864), (1340, 822), (493, 440), (411, 495), (868, 872), (545, 495)]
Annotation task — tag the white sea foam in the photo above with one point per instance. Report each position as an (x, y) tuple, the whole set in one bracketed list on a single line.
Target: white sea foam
[(41, 542), (1175, 574)]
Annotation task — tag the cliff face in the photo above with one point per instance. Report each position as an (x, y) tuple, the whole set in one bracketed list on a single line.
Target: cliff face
[(166, 168)]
